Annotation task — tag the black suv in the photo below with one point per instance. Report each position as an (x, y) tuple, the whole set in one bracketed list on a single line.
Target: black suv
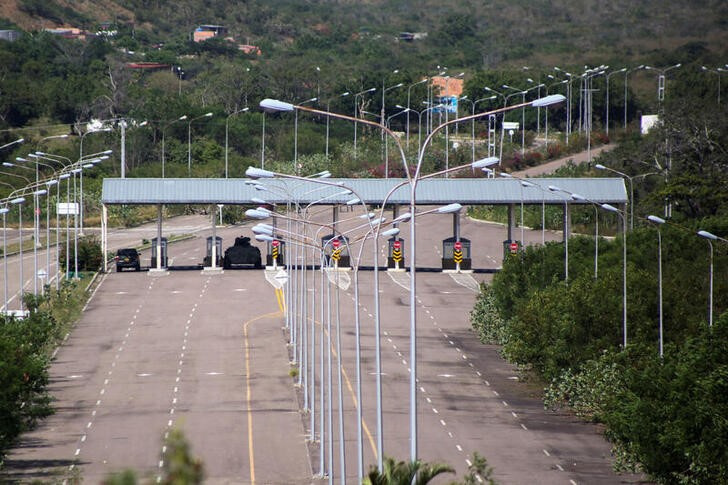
[(127, 258)]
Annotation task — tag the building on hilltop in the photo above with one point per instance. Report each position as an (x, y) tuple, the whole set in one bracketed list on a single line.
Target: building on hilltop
[(9, 35), (204, 32)]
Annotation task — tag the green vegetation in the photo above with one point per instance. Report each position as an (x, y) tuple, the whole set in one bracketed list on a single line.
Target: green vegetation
[(666, 415), (25, 354), (403, 473)]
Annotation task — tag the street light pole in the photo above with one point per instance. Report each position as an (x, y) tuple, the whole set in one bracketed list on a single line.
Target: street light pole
[(227, 123), (189, 141), (356, 112), (621, 214), (181, 118), (659, 222), (624, 69)]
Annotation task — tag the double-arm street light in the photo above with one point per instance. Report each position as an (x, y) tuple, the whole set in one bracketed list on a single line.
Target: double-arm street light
[(718, 71), (623, 216), (626, 75), (413, 176), (662, 80)]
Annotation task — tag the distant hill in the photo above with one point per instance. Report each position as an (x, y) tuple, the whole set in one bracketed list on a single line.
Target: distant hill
[(466, 32)]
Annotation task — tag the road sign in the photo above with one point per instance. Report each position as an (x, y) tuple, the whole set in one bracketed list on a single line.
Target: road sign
[(397, 245), (275, 243), (67, 208), (458, 246), (281, 276), (335, 243), (513, 247)]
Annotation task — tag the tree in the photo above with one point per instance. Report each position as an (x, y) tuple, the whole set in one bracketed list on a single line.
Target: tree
[(403, 473)]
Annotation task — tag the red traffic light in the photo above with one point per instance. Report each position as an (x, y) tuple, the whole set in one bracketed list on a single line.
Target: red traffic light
[(458, 246), (397, 245), (275, 243), (335, 243)]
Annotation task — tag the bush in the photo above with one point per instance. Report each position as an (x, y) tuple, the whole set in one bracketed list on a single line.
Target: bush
[(89, 254), (486, 320)]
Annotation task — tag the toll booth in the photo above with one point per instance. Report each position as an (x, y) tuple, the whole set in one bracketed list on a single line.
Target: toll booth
[(338, 254), (456, 252), (207, 262), (154, 252), (511, 247), (277, 254), (395, 253)]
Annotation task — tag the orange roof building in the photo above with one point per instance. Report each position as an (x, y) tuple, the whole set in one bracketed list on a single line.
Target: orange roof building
[(448, 86)]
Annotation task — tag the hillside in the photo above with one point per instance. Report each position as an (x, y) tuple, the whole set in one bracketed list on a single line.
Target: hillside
[(466, 33)]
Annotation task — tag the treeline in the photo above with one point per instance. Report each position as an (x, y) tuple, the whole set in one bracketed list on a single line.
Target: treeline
[(664, 414)]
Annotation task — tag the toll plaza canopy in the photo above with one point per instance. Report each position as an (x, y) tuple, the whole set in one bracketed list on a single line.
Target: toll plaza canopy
[(436, 191)]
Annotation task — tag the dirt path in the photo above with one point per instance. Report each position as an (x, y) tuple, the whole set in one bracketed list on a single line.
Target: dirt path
[(551, 166)]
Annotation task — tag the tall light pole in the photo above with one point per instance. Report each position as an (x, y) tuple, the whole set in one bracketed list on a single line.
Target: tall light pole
[(624, 69), (356, 112), (621, 214), (662, 80), (718, 72), (659, 222), (472, 123), (189, 141), (19, 202), (626, 75), (328, 106), (227, 127), (409, 89), (295, 135), (710, 237), (164, 128)]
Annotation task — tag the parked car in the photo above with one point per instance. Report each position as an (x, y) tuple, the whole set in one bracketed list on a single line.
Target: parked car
[(127, 258), (242, 254)]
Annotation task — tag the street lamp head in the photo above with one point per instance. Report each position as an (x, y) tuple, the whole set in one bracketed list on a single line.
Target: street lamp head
[(181, 118), (64, 176), (600, 166), (258, 201), (272, 105), (256, 214), (207, 115), (354, 201), (526, 184), (21, 159), (368, 215), (656, 220), (578, 197), (40, 192), (258, 173), (485, 162), (18, 200), (263, 237), (8, 164), (4, 210), (450, 208), (51, 182), (707, 235), (402, 218), (390, 232), (554, 188), (548, 100)]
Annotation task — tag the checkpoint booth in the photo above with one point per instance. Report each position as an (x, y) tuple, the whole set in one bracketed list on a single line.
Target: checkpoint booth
[(276, 254), (456, 254), (207, 262), (395, 254), (164, 252), (336, 251)]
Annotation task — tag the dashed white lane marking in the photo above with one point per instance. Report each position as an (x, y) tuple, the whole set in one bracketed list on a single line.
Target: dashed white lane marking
[(442, 422), (524, 427), (561, 469), (545, 452), (514, 415), (460, 448)]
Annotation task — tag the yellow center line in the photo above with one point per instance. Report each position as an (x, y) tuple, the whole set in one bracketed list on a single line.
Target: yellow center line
[(251, 453)]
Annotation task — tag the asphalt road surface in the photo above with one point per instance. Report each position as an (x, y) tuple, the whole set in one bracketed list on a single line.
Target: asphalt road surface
[(206, 352)]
